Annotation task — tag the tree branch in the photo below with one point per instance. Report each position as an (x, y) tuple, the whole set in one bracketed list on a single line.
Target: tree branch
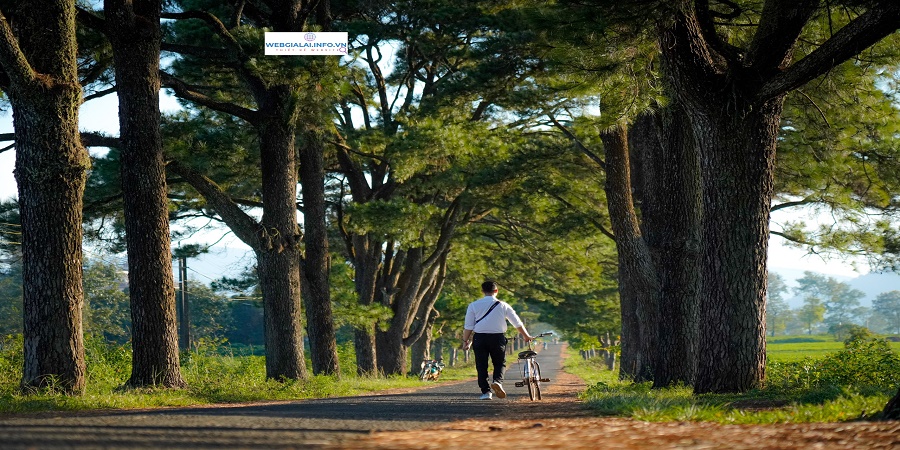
[(198, 51), (91, 139), (448, 228), (246, 228), (593, 221), (792, 238), (786, 205), (182, 90), (214, 23), (708, 27), (578, 143), (780, 25), (861, 33), (12, 59), (222, 31), (99, 94), (90, 20), (480, 109)]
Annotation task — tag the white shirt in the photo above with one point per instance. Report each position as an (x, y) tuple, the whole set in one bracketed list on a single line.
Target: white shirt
[(495, 322)]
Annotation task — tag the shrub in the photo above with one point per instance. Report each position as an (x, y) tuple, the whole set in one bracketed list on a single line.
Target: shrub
[(11, 360), (865, 362)]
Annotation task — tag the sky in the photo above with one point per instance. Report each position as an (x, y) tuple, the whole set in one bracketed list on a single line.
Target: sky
[(229, 255)]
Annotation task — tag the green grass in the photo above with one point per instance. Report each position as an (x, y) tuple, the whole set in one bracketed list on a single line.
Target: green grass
[(795, 351), (220, 376), (813, 381), (796, 348)]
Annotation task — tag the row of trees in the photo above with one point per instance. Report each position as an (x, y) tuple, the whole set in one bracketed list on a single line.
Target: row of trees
[(828, 305), (468, 126)]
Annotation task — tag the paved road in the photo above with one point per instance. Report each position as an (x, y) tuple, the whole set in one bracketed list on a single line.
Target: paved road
[(310, 423)]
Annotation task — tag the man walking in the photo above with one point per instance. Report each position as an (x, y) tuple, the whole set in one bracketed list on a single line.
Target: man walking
[(484, 331)]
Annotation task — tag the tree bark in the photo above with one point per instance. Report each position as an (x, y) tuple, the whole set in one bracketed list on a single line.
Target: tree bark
[(134, 33), (733, 97), (366, 262), (278, 263), (317, 261), (38, 55), (671, 213), (417, 290), (279, 260), (738, 185), (638, 286), (736, 139), (421, 349)]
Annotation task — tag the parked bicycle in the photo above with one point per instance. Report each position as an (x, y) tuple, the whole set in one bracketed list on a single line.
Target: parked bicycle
[(431, 370), (531, 372)]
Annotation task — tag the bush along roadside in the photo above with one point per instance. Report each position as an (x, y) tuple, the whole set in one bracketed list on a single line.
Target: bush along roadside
[(851, 384)]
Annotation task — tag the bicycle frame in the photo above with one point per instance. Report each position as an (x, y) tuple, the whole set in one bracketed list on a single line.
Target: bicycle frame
[(531, 371)]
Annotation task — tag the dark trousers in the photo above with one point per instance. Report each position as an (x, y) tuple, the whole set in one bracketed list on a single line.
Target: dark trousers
[(493, 346)]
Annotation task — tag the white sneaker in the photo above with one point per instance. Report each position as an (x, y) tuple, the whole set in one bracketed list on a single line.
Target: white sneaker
[(486, 396), (498, 389)]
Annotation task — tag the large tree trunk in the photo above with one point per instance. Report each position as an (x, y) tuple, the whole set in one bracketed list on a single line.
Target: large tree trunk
[(738, 164), (390, 343), (366, 262), (279, 274), (733, 97), (638, 286), (416, 292), (274, 239), (671, 213), (735, 133), (39, 58), (892, 409), (279, 258), (134, 32), (421, 349), (317, 261)]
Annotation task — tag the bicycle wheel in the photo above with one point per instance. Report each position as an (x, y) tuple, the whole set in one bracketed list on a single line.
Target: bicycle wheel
[(532, 383), (537, 380)]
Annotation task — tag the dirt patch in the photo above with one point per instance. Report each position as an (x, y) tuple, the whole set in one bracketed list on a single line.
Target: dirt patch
[(561, 421)]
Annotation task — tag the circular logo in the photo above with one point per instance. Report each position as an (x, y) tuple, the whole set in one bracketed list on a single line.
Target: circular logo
[(309, 37)]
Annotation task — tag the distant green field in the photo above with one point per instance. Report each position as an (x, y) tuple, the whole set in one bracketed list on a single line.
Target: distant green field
[(794, 348)]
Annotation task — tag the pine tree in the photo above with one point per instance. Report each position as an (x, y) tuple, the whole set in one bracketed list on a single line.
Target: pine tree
[(38, 56)]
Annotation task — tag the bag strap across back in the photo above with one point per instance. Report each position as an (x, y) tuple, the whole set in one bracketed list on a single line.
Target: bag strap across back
[(497, 302)]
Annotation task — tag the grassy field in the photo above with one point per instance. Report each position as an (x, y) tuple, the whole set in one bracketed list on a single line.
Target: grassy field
[(795, 348)]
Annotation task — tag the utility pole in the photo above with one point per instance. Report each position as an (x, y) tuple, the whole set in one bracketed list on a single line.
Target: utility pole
[(182, 305), (183, 309)]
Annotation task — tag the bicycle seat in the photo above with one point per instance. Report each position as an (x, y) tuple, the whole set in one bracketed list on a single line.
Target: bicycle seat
[(527, 354)]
